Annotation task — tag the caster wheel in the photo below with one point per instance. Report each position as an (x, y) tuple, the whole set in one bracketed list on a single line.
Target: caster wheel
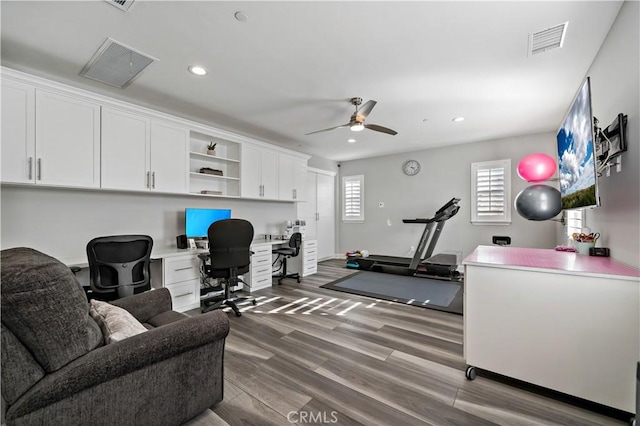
[(298, 280), (238, 314), (633, 422), (254, 302), (470, 373)]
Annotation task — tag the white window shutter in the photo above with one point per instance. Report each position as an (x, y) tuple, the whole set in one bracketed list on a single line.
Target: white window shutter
[(491, 192), (353, 198)]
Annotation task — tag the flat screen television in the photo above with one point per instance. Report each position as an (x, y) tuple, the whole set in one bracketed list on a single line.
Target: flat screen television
[(197, 221), (576, 159)]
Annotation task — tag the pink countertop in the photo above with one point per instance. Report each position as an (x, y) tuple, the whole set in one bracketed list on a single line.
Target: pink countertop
[(548, 259)]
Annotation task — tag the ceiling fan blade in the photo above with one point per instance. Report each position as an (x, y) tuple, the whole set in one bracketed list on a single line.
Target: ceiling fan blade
[(365, 110), (326, 130), (380, 129)]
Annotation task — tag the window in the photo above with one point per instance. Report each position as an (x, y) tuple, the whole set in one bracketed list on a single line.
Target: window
[(491, 192), (574, 220), (353, 198)]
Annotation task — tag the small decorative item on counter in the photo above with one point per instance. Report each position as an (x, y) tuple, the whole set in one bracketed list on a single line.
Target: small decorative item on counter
[(565, 248), (584, 242), (211, 148), (210, 171)]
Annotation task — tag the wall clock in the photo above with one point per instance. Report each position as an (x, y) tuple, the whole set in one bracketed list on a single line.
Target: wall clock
[(411, 168)]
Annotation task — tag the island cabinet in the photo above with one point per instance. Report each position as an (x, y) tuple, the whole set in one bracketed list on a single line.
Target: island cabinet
[(563, 321), (49, 138), (143, 154), (259, 172)]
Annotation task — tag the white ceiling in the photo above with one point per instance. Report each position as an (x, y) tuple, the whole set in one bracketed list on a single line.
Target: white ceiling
[(292, 66)]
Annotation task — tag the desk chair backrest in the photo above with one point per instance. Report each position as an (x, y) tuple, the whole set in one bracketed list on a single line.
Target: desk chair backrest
[(230, 244), (119, 265), (295, 242)]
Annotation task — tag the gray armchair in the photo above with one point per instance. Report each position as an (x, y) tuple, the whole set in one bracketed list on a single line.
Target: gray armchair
[(56, 368)]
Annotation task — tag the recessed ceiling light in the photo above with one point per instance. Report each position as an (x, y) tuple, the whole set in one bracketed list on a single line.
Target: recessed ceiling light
[(351, 140), (424, 120), (241, 16), (457, 119), (197, 70)]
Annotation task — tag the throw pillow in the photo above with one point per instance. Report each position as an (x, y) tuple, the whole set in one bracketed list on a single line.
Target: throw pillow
[(116, 323)]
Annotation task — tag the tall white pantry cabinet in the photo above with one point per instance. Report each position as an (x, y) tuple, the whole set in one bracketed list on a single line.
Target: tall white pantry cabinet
[(319, 211)]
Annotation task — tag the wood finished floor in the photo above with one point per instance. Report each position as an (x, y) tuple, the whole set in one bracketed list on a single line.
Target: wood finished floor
[(355, 361)]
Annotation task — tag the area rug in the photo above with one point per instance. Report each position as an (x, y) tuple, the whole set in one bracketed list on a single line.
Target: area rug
[(423, 292)]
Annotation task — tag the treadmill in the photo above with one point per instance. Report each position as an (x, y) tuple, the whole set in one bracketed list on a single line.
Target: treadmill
[(423, 264)]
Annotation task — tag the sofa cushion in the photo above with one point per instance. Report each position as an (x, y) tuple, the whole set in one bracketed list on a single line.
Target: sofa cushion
[(44, 306), (116, 323), (19, 370)]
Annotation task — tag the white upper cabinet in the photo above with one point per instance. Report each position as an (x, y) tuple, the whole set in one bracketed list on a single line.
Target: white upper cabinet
[(259, 176), (67, 131), (292, 177), (18, 132), (142, 154)]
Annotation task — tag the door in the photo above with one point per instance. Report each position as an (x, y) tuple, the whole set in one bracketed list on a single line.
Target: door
[(125, 150), (326, 216), (18, 132), (269, 167), (67, 140), (307, 209), (250, 182), (169, 157)]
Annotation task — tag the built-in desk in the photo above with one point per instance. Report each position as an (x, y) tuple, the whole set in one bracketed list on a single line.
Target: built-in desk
[(179, 271), (564, 321)]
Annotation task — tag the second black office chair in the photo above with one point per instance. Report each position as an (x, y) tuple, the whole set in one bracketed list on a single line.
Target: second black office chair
[(229, 248), (288, 252), (119, 266)]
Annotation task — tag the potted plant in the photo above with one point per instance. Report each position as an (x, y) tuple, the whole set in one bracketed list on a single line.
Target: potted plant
[(211, 149)]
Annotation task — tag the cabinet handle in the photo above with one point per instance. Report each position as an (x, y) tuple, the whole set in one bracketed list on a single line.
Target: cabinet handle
[(183, 269), (39, 175), (153, 179), (148, 179), (264, 270), (185, 294), (30, 168)]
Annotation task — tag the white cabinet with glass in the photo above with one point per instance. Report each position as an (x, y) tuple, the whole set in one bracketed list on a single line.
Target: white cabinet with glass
[(213, 172)]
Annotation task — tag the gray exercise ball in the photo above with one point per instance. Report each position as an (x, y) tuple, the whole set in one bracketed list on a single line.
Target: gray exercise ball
[(538, 202)]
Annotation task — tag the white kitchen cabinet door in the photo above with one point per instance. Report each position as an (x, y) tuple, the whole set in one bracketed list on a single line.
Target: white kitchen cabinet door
[(67, 140), (169, 170), (18, 132), (126, 141)]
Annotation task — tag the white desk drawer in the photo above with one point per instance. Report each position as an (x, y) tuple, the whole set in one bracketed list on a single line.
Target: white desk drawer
[(260, 271), (184, 294), (260, 261), (183, 268), (261, 249), (310, 244), (260, 282)]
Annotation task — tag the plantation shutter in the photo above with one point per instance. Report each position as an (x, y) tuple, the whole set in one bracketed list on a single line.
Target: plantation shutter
[(491, 192), (353, 198), (574, 220)]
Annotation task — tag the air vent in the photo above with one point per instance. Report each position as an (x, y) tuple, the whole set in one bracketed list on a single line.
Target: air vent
[(116, 64), (121, 4), (548, 39)]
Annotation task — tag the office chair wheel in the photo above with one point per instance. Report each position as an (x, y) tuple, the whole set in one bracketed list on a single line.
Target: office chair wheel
[(238, 314), (254, 302), (298, 280), (470, 373)]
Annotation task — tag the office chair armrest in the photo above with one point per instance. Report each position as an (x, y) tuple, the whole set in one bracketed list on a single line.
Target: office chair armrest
[(141, 355), (144, 306)]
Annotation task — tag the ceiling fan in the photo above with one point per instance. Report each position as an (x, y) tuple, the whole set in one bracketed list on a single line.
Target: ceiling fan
[(356, 123)]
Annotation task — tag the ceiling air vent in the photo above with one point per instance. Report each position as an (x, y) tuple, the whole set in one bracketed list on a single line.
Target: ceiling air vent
[(116, 64), (121, 4), (548, 39)]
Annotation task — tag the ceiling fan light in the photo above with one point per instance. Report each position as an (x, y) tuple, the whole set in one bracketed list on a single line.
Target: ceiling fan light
[(357, 127)]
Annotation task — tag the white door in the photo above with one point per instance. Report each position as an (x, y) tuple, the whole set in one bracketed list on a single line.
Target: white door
[(18, 132), (125, 150), (67, 140), (269, 165), (169, 157), (326, 216), (250, 182), (285, 177), (307, 209)]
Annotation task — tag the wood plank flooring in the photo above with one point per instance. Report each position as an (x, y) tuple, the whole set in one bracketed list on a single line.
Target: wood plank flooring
[(307, 355)]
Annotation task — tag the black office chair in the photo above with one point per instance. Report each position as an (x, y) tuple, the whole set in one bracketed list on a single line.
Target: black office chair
[(288, 252), (119, 266), (230, 256)]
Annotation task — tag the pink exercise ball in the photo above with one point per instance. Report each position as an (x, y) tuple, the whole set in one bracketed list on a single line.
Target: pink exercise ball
[(536, 167)]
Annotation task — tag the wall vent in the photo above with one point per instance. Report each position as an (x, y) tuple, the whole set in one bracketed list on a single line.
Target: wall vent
[(548, 39), (121, 4), (116, 64)]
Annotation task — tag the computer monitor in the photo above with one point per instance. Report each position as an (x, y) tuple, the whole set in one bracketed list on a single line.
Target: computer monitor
[(197, 221)]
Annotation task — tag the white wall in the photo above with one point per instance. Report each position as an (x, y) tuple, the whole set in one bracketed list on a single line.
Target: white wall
[(60, 222), (615, 75), (446, 173)]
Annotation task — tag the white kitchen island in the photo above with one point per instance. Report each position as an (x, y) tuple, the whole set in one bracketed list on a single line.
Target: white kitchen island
[(560, 320)]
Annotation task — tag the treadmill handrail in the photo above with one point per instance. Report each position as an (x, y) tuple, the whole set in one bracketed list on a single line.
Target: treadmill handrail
[(445, 212), (418, 220)]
